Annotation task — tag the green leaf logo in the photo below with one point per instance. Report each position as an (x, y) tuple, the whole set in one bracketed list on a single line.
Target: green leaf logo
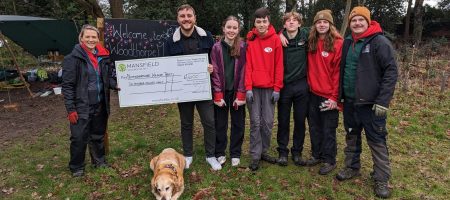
[(122, 67)]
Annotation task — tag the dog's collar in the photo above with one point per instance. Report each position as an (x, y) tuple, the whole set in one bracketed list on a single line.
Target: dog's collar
[(171, 167)]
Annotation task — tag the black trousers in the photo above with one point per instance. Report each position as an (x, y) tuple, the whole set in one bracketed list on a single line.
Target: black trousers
[(88, 132), (206, 111), (357, 118), (237, 126), (322, 129), (294, 94)]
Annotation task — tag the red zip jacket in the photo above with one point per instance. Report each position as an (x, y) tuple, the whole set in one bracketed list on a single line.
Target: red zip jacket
[(264, 68), (323, 70)]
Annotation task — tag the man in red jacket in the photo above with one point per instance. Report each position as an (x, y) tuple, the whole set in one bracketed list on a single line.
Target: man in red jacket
[(263, 81), (324, 56)]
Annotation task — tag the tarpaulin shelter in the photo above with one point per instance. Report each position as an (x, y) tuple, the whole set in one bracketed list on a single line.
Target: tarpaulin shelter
[(39, 35)]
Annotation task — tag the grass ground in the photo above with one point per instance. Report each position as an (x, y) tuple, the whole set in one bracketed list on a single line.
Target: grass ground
[(419, 144)]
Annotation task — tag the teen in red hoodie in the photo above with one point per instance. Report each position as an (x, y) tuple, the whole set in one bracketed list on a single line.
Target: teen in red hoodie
[(324, 57), (263, 81)]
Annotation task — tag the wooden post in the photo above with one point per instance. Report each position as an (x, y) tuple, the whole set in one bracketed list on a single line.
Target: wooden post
[(444, 79), (101, 29), (16, 64)]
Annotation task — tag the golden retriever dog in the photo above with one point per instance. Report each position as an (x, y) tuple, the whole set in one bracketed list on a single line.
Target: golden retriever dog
[(168, 181)]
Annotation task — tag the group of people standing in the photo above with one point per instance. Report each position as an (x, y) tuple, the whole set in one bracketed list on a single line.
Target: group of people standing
[(313, 71)]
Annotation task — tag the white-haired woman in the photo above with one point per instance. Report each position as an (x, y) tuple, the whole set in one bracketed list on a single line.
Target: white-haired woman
[(87, 79)]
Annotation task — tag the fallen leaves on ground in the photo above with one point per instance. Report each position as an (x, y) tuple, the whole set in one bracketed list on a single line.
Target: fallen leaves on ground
[(35, 195), (133, 171), (95, 195), (284, 183), (8, 190), (194, 177), (203, 193), (39, 167)]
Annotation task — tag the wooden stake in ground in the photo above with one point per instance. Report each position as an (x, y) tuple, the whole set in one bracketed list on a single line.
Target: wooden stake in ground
[(16, 64), (101, 29)]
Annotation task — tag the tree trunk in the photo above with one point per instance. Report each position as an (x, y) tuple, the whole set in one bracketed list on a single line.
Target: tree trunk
[(407, 21), (418, 22), (14, 7), (361, 2), (116, 7), (92, 8), (290, 5), (444, 80), (347, 13), (302, 7)]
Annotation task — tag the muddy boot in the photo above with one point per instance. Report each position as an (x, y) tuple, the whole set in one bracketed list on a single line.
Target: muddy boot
[(381, 189), (313, 161), (347, 173), (268, 159), (254, 165), (78, 173), (298, 160), (282, 161), (326, 168)]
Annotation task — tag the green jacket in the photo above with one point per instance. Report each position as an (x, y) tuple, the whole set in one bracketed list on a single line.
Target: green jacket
[(295, 56)]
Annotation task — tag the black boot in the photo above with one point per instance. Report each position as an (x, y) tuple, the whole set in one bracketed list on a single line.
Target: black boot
[(326, 168), (298, 160), (347, 173), (268, 159), (282, 161), (381, 189), (254, 165), (78, 173), (313, 161)]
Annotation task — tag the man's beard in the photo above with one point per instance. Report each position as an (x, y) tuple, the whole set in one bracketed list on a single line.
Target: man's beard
[(189, 29)]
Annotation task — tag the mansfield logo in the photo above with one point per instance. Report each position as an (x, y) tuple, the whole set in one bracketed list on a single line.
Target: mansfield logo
[(122, 67)]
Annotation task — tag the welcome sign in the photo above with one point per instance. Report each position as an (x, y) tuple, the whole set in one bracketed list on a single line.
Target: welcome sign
[(133, 39)]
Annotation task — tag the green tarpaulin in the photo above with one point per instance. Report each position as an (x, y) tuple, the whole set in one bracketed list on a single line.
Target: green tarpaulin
[(40, 35)]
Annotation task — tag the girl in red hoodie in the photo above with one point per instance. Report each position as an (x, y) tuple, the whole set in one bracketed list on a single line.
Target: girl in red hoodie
[(324, 57)]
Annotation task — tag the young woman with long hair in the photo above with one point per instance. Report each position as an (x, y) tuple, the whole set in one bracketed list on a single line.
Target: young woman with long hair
[(228, 60)]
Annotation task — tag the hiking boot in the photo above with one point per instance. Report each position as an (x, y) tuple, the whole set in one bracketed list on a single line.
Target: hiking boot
[(347, 173), (102, 165), (313, 161), (268, 159), (381, 189), (298, 160), (326, 168), (254, 165), (221, 159), (78, 173), (282, 161)]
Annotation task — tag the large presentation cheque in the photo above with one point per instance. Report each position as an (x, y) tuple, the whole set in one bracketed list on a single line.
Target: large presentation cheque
[(163, 80)]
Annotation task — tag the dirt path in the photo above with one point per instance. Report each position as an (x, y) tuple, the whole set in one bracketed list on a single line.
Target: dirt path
[(34, 115)]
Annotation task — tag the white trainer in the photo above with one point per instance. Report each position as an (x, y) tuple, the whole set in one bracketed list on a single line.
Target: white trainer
[(188, 162), (235, 162), (221, 159), (214, 163)]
